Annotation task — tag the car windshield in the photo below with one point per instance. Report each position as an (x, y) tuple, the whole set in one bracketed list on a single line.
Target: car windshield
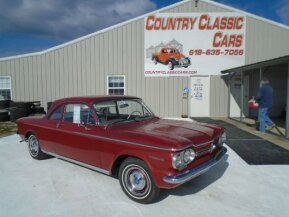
[(122, 110)]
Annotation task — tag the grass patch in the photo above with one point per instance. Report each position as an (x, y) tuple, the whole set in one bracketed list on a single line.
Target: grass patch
[(7, 128)]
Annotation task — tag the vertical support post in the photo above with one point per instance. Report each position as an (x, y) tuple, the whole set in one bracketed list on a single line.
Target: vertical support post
[(287, 106), (189, 96), (261, 76), (229, 95), (242, 97)]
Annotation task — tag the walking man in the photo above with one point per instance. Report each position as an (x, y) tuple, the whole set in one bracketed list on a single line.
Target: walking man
[(265, 100)]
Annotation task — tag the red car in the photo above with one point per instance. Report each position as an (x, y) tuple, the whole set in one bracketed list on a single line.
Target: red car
[(120, 136)]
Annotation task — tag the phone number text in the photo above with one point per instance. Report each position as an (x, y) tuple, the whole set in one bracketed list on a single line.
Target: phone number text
[(217, 52)]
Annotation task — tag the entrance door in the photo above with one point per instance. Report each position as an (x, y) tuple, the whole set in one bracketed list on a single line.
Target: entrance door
[(200, 97)]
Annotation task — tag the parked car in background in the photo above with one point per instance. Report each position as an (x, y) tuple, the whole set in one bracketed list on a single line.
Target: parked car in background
[(120, 136), (171, 57)]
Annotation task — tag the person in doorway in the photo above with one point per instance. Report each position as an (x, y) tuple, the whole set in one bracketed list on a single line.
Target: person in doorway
[(265, 100)]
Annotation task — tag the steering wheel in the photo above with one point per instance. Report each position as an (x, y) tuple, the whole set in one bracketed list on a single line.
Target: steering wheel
[(128, 117)]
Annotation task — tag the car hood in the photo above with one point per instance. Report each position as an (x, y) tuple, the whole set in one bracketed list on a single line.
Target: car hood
[(169, 133), (178, 56)]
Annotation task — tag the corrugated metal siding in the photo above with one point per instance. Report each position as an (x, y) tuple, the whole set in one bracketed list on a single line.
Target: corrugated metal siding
[(218, 96), (82, 68), (265, 41)]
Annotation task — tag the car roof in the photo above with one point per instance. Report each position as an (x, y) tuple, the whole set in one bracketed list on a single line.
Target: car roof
[(92, 99), (87, 100)]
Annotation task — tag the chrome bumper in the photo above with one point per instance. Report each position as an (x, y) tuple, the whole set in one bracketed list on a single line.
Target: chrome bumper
[(182, 65), (190, 174)]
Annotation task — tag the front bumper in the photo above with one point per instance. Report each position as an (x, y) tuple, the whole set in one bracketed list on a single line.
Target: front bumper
[(190, 174), (182, 65)]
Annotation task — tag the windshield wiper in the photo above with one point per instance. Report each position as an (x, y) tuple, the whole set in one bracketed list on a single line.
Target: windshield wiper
[(139, 118), (115, 122)]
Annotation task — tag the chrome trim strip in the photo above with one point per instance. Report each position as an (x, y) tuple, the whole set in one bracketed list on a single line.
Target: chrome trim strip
[(138, 144), (125, 141), (194, 145), (203, 144), (79, 163), (190, 174)]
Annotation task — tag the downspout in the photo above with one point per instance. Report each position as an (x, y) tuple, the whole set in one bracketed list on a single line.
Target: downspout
[(287, 106)]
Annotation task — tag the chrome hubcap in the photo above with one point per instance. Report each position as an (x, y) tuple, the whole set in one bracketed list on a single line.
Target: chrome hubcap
[(33, 146), (136, 181), (170, 65)]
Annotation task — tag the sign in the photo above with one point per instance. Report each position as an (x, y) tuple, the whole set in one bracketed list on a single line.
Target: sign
[(200, 97), (186, 44), (198, 88)]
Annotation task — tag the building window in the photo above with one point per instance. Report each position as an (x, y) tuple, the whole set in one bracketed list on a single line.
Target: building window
[(5, 88), (116, 85)]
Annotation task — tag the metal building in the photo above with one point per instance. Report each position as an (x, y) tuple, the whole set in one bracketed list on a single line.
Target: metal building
[(111, 61)]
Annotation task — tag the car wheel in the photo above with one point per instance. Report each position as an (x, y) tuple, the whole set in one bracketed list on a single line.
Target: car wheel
[(171, 65), (136, 181), (186, 66), (34, 148), (155, 60)]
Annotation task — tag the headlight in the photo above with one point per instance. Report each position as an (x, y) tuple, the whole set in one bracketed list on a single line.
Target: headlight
[(189, 155), (183, 158), (222, 139), (177, 161)]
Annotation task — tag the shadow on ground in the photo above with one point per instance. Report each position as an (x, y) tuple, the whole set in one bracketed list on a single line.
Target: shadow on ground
[(201, 182), (251, 148)]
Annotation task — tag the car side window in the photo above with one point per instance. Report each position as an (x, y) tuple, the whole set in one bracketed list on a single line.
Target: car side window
[(78, 114), (56, 115)]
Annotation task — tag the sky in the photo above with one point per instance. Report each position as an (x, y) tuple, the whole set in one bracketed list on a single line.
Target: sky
[(33, 25)]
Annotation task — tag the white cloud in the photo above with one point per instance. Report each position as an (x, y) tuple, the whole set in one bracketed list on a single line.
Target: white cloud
[(67, 19), (283, 11)]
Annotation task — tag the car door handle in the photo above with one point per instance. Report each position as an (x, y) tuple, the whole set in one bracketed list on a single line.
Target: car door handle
[(84, 126), (59, 125)]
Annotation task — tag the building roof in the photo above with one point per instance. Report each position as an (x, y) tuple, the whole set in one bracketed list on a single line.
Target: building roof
[(142, 17), (275, 61)]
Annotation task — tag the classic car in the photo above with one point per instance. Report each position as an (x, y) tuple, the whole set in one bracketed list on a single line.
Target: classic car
[(171, 57), (120, 136)]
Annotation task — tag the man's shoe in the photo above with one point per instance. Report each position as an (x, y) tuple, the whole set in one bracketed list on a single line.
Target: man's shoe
[(270, 127)]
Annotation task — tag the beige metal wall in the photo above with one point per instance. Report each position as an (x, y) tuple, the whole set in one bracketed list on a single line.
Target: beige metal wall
[(265, 41), (219, 96), (81, 68)]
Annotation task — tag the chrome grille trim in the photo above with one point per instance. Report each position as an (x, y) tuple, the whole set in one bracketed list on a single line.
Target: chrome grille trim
[(203, 152)]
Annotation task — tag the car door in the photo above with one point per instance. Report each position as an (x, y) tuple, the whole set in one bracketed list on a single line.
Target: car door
[(76, 135), (46, 132)]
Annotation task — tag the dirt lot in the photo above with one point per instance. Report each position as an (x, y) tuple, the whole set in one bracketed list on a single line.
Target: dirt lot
[(7, 128)]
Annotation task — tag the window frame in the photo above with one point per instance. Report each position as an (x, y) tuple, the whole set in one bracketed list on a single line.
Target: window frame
[(54, 110), (111, 88), (144, 106), (10, 88)]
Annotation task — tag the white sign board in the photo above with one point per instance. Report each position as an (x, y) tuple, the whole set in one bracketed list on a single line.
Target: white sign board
[(76, 114), (200, 97), (186, 44)]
